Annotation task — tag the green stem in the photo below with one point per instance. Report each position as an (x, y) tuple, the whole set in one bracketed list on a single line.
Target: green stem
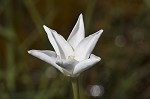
[(75, 88)]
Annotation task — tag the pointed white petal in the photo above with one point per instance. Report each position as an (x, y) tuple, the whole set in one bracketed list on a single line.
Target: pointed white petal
[(51, 39), (77, 33), (64, 47), (86, 64), (47, 56), (86, 46)]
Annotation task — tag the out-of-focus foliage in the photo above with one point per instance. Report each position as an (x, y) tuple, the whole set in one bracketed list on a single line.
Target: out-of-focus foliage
[(123, 73)]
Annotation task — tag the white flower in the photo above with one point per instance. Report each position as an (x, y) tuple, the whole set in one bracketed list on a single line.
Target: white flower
[(73, 56)]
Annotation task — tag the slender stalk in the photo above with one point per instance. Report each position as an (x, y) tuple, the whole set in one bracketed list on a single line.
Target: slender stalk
[(89, 12), (34, 15), (75, 88), (10, 47)]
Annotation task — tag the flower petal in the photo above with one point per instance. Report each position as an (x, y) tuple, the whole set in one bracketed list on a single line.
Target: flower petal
[(86, 64), (77, 33), (67, 64), (51, 39), (64, 47), (47, 56), (86, 46)]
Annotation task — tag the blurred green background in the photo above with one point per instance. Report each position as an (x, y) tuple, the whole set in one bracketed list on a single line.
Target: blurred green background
[(123, 72)]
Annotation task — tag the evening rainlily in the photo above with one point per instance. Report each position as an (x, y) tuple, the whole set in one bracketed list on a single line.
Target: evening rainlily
[(71, 56)]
